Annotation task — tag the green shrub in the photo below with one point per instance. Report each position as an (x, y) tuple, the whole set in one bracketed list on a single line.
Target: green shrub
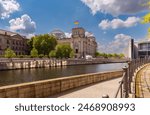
[(9, 53), (45, 56), (21, 56), (34, 53), (52, 54), (41, 55)]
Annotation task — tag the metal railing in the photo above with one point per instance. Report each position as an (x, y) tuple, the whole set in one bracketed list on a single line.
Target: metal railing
[(125, 87)]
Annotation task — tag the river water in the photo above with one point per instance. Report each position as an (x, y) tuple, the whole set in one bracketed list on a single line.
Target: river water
[(28, 75)]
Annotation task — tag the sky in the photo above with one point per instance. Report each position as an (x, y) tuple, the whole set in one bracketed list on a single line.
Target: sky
[(113, 22)]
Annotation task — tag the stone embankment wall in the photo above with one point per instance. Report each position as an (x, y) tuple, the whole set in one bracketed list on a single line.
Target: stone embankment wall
[(9, 64), (51, 87)]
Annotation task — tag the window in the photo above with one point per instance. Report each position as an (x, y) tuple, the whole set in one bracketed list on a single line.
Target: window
[(13, 42), (76, 50), (7, 41)]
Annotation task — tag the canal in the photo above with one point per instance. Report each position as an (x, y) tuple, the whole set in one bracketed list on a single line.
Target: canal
[(28, 75)]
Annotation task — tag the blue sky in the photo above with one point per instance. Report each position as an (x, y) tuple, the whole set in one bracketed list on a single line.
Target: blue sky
[(111, 25)]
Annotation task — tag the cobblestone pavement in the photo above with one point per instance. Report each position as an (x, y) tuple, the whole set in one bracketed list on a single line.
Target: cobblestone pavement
[(92, 91), (143, 83)]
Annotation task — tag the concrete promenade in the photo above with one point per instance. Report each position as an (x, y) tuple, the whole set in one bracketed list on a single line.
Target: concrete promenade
[(92, 91), (143, 83)]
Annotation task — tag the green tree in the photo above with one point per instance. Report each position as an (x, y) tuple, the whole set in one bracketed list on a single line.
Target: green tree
[(44, 43), (109, 55), (9, 53), (146, 18), (63, 51), (52, 54), (30, 44), (97, 54), (104, 55), (34, 53), (121, 55), (115, 55), (72, 54)]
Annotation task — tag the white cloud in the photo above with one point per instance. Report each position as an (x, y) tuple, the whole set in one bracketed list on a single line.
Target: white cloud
[(68, 35), (23, 25), (120, 44), (8, 7), (118, 23), (116, 7), (89, 34)]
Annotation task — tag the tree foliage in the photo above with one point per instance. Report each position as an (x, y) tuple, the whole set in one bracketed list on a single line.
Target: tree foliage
[(9, 53), (43, 43), (146, 18), (52, 54), (34, 53), (72, 54), (63, 51), (30, 44), (104, 55)]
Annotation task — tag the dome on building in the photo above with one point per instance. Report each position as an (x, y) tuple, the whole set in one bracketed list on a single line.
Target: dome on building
[(58, 33)]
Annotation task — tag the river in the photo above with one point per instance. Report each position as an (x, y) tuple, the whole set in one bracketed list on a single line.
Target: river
[(28, 75)]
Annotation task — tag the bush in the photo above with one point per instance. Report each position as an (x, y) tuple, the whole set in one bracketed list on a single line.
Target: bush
[(34, 53), (45, 56), (21, 56), (9, 53), (41, 55), (63, 51), (52, 54), (72, 54)]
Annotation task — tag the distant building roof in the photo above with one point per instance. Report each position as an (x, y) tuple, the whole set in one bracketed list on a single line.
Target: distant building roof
[(5, 32), (58, 33), (9, 33)]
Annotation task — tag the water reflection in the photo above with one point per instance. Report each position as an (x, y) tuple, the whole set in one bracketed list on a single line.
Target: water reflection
[(29, 75)]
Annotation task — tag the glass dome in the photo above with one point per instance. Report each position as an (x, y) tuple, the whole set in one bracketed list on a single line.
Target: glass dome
[(58, 33)]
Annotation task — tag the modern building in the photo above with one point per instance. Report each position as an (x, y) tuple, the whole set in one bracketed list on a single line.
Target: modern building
[(144, 49), (14, 41), (82, 44)]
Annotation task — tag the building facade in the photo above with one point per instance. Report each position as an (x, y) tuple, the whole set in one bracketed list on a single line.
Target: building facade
[(144, 49), (82, 44), (13, 41)]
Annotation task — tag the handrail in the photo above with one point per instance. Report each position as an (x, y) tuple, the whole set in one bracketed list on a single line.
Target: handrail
[(127, 77), (120, 86)]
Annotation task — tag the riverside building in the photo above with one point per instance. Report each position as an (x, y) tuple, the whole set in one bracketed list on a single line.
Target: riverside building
[(83, 43), (14, 41), (144, 49)]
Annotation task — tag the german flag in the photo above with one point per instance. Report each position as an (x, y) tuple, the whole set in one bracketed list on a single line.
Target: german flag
[(76, 22)]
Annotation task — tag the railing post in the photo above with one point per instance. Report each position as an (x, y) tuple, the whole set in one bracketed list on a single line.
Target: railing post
[(129, 76), (121, 91), (125, 83)]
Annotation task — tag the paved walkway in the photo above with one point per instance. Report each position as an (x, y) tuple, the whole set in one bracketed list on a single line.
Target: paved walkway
[(93, 91), (143, 83)]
